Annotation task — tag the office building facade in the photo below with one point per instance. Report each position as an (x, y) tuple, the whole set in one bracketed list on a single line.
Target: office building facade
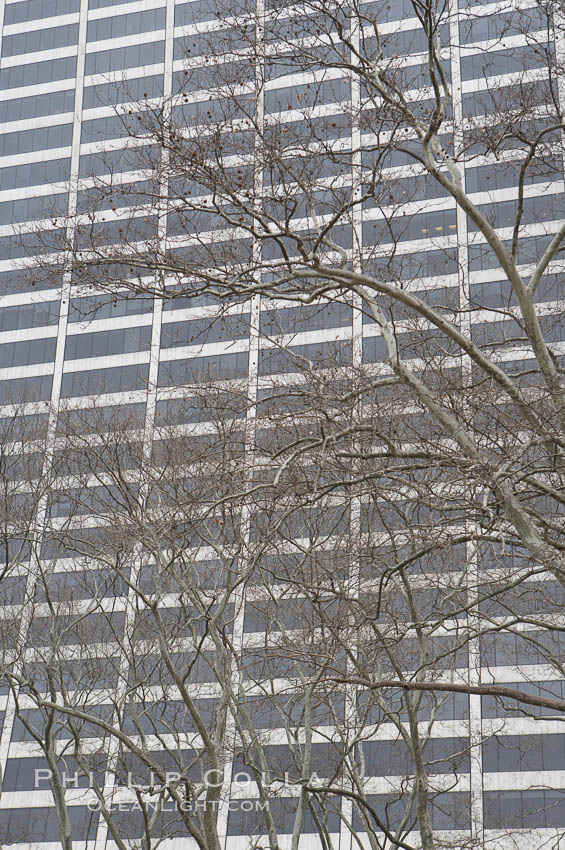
[(86, 88)]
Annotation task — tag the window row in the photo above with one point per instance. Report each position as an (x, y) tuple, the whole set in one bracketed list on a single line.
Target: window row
[(93, 307), (529, 647), (132, 56), (98, 381), (29, 209), (107, 343), (24, 390), (124, 25), (36, 40), (38, 825), (201, 369), (35, 173), (32, 10), (43, 138), (505, 24), (29, 315), (524, 809), (28, 278), (115, 162), (517, 753), (18, 109), (500, 62), (503, 810), (103, 4), (125, 91), (27, 353), (38, 72), (504, 707), (424, 226)]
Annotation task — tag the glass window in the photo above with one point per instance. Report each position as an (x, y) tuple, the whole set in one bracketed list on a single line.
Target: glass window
[(425, 226), (37, 825), (401, 191), (199, 369), (505, 174), (150, 668), (400, 43), (125, 91), (125, 194), (78, 502), (28, 244), (500, 62), (99, 419), (100, 307), (42, 138), (167, 825), (198, 10), (36, 720), (35, 173), (75, 629), (206, 330), (406, 76), (510, 753), (31, 10), (382, 12), (513, 22), (113, 162), (246, 818), (124, 25), (20, 108), (113, 127), (393, 758), (205, 407), (298, 358), (325, 758), (523, 809), (307, 94), (542, 208), (128, 230), (212, 76), (23, 390), (12, 589), (26, 353), (443, 706), (99, 672), (27, 279), (274, 711), (529, 250), (166, 716), (487, 101), (532, 597), (28, 427), (408, 266), (102, 4), (423, 344), (312, 317), (132, 56), (107, 343), (532, 647), (74, 584), (29, 209), (46, 39), (448, 811), (113, 380), (20, 773), (38, 72), (29, 315)]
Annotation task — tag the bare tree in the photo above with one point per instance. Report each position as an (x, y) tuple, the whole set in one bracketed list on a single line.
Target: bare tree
[(210, 637), (300, 195)]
